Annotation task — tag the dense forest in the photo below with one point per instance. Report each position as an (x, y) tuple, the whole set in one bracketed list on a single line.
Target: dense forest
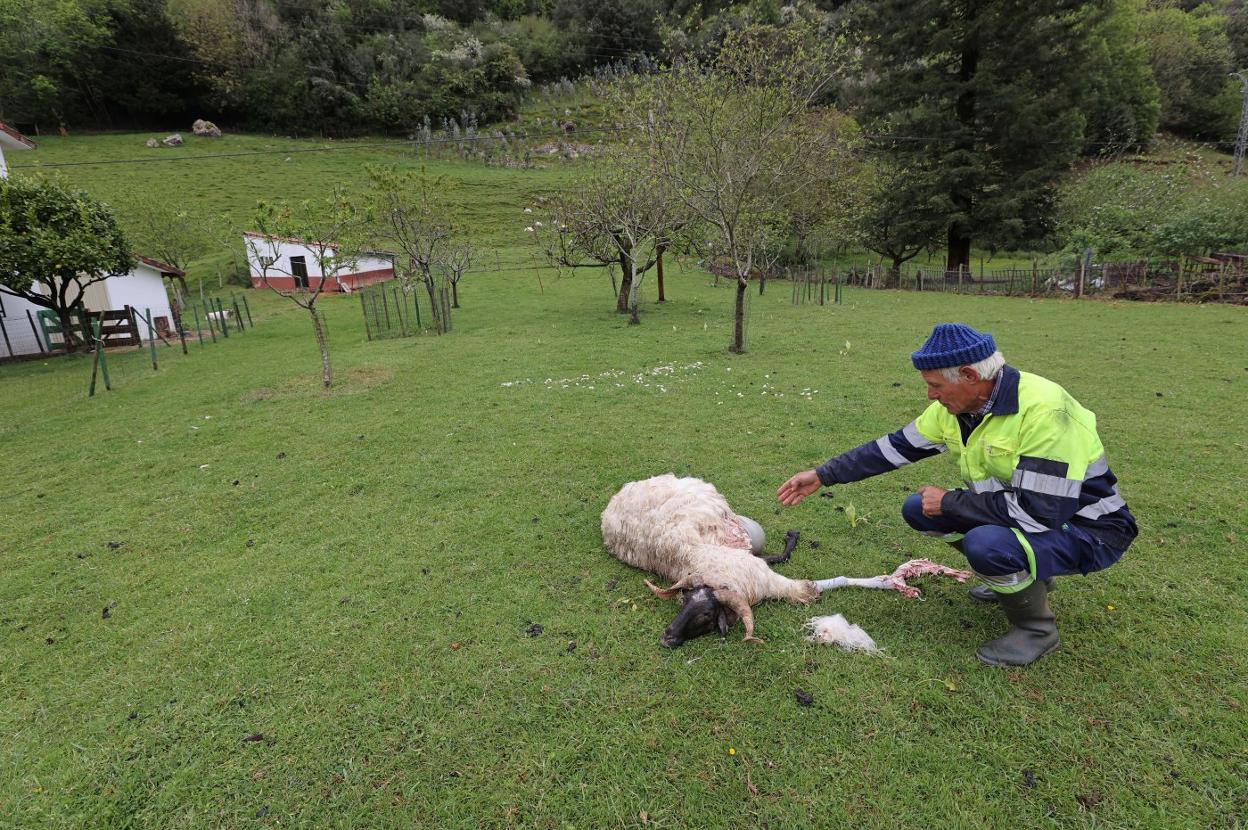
[(343, 67)]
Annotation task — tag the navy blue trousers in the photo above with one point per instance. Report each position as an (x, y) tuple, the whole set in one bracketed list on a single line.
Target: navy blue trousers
[(994, 550)]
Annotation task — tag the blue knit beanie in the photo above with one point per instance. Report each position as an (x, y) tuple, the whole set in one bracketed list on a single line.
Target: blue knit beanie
[(953, 344)]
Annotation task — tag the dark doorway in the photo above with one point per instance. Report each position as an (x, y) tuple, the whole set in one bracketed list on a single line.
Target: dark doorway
[(299, 270)]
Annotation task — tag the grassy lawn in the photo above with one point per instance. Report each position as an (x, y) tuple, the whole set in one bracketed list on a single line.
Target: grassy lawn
[(320, 611)]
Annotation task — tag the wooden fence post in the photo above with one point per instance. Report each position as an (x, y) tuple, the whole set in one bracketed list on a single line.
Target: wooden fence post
[(364, 310), (247, 307), (35, 331), (151, 336)]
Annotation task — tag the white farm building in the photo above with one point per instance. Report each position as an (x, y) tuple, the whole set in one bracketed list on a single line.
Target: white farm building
[(289, 264)]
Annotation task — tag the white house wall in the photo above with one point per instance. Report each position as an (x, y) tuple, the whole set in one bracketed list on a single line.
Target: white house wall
[(283, 250), (17, 326), (143, 288)]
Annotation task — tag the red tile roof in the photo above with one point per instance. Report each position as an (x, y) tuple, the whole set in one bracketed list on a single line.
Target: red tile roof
[(162, 267)]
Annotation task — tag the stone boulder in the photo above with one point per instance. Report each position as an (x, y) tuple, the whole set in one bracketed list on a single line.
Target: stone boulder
[(153, 143), (174, 140), (206, 129)]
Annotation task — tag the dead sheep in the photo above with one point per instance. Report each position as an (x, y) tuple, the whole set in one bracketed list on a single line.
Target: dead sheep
[(683, 530)]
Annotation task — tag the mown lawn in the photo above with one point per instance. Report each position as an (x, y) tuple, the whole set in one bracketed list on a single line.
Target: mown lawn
[(320, 611)]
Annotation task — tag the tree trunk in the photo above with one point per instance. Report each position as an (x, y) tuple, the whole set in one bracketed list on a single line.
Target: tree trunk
[(67, 330), (434, 308), (658, 263), (958, 256), (959, 242), (894, 273), (455, 294), (322, 344), (738, 319), (634, 305), (626, 285)]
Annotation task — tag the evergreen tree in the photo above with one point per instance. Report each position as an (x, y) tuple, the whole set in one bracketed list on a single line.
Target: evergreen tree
[(977, 102)]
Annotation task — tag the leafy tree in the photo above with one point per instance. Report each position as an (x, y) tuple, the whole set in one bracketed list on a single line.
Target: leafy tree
[(978, 103), (1117, 95), (331, 229), (736, 141), (54, 242), (1191, 57), (896, 219)]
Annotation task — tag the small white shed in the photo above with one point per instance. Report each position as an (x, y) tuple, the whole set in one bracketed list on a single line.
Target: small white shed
[(143, 289), (293, 266)]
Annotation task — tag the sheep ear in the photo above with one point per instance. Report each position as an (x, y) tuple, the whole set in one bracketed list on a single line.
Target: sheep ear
[(735, 600), (674, 591)]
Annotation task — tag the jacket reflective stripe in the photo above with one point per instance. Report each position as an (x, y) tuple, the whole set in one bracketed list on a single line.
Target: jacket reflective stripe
[(916, 439), (1024, 519), (1107, 505), (1015, 579), (1047, 484), (891, 455), (1099, 467), (985, 485)]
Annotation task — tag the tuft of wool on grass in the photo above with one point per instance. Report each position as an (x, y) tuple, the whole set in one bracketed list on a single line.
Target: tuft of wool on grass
[(835, 630)]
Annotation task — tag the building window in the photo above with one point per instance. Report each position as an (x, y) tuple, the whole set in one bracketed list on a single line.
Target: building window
[(299, 270)]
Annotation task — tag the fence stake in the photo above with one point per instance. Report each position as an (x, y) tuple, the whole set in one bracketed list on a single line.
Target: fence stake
[(238, 315), (5, 332), (225, 325), (364, 309), (198, 332), (182, 334), (398, 310), (247, 308), (151, 335), (35, 330)]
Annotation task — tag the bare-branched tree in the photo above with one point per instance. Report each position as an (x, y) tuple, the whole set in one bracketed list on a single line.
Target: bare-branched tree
[(455, 261), (414, 217), (621, 216), (332, 233), (737, 140)]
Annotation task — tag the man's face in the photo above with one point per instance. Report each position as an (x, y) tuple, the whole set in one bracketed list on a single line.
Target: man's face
[(962, 395)]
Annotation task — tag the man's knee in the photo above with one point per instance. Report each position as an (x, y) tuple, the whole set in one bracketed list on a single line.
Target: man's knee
[(993, 550)]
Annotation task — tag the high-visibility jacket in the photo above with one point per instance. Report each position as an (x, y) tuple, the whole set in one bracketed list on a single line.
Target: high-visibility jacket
[(1034, 462)]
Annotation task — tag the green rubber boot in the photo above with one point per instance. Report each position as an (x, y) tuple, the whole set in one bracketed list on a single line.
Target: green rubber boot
[(1032, 634), (982, 593)]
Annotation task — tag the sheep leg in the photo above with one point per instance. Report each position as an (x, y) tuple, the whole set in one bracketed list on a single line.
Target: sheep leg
[(790, 542), (859, 582)]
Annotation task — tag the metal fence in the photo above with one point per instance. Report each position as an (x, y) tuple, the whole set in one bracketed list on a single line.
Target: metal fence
[(1200, 279)]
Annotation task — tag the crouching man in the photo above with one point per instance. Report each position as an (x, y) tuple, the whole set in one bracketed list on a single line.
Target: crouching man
[(1040, 499)]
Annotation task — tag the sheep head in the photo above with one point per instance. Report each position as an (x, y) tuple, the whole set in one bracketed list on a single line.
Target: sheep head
[(703, 609)]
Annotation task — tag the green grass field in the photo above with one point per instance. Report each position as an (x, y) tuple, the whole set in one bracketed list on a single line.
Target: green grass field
[(320, 610)]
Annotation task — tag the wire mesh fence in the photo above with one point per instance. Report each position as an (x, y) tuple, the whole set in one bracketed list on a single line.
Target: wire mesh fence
[(1221, 278), (392, 310)]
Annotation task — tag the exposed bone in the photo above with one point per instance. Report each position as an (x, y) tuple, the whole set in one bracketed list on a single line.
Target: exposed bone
[(896, 581)]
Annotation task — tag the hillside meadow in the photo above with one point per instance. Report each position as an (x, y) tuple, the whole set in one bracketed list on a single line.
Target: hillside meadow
[(232, 599)]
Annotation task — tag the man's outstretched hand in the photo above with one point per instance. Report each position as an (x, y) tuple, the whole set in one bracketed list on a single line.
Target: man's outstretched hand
[(798, 487)]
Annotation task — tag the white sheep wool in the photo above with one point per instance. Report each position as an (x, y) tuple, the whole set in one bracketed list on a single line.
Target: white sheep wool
[(838, 631)]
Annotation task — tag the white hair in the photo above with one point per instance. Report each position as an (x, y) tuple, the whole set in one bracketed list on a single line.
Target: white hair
[(986, 369)]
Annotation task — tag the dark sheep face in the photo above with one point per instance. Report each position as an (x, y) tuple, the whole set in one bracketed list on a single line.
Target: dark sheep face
[(700, 613)]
